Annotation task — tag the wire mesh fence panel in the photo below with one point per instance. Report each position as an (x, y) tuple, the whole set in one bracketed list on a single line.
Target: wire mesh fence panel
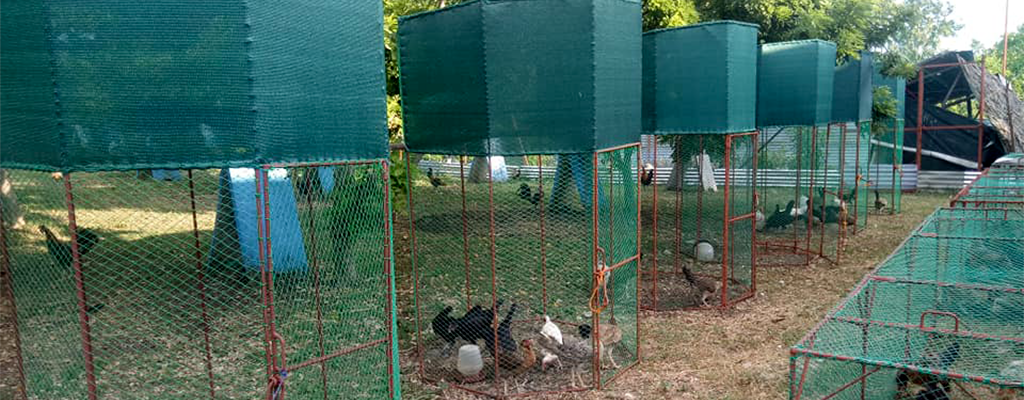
[(885, 174), (786, 163), (163, 289), (858, 144), (942, 313), (700, 246), (830, 213), (506, 265), (994, 188)]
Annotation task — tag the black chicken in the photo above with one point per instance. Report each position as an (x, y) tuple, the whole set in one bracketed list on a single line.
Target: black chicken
[(505, 340), (525, 193), (61, 251), (879, 202), (935, 388), (444, 325), (434, 181), (647, 175), (780, 219)]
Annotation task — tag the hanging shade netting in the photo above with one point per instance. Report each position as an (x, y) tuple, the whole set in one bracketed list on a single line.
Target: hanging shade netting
[(852, 90), (521, 77), (700, 79), (103, 85), (794, 83)]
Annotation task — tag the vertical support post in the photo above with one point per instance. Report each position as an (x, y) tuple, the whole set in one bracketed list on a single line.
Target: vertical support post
[(413, 259), (725, 223), (981, 117), (596, 321), (753, 221), (314, 260), (796, 195), (611, 233), (638, 246), (389, 287), (260, 233), (465, 226), (543, 241), (810, 207), (494, 272), (700, 188), (268, 288), (654, 221), (83, 316), (8, 287), (920, 116), (677, 248), (200, 277)]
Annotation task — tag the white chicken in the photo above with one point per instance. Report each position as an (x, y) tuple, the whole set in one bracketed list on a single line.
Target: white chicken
[(551, 332), (801, 207)]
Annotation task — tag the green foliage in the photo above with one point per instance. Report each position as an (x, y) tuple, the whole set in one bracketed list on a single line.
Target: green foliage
[(883, 110), (659, 14), (1014, 60), (911, 32)]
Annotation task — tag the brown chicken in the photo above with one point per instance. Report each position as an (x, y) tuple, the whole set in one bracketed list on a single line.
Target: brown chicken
[(609, 336), (522, 362), (707, 286)]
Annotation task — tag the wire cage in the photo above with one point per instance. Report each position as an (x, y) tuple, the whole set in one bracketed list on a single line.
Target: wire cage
[(702, 218), (497, 252), (941, 315), (885, 173), (217, 283), (789, 161), (996, 187)]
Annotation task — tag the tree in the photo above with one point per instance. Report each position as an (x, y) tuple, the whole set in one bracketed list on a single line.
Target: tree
[(1014, 60), (659, 14)]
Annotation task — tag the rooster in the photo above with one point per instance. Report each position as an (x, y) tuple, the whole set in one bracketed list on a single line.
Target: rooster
[(647, 174), (434, 181), (780, 219), (61, 251), (880, 203)]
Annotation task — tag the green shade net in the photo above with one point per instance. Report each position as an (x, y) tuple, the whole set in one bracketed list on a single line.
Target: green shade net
[(852, 90), (700, 79), (521, 77), (794, 83), (102, 84)]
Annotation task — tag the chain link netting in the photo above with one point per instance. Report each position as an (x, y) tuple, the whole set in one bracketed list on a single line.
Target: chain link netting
[(1000, 187), (499, 250), (165, 289), (942, 314), (701, 218), (789, 161), (885, 174)]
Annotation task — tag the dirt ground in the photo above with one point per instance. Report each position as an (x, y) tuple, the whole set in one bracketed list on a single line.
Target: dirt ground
[(742, 353), (737, 354)]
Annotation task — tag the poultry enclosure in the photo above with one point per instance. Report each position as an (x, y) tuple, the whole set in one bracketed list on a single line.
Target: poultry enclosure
[(700, 165), (190, 212), (885, 174), (556, 237), (938, 319), (996, 187)]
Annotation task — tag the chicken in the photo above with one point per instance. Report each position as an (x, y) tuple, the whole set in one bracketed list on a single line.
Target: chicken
[(61, 251), (505, 341), (609, 336), (551, 332), (444, 326), (548, 358), (707, 286), (780, 219), (434, 181), (525, 193), (759, 220), (880, 203), (527, 357), (517, 173), (935, 388), (647, 174)]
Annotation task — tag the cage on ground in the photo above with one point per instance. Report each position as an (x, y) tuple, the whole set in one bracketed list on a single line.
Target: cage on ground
[(794, 97), (524, 232), (996, 188), (699, 165), (885, 174), (168, 241), (941, 314), (851, 123)]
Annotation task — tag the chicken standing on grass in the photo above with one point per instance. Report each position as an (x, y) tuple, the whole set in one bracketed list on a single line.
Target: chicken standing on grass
[(551, 332), (880, 203), (707, 286), (61, 252), (434, 181), (647, 174)]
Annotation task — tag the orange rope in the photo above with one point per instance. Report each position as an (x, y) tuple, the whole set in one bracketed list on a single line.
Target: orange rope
[(599, 295)]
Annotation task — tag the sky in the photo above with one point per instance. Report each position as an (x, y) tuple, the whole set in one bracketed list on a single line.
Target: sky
[(982, 20)]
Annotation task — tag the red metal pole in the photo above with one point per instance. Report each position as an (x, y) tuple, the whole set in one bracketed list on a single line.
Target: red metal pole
[(267, 334), (543, 243), (389, 283), (920, 116), (638, 246), (202, 282), (413, 259), (308, 176), (753, 221), (465, 226), (494, 270), (83, 315), (700, 187), (8, 282), (654, 223), (611, 235), (596, 366), (981, 116), (725, 225), (269, 288)]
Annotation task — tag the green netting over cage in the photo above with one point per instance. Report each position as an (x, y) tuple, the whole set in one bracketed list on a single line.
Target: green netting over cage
[(794, 83), (942, 314), (521, 77), (101, 85), (700, 79), (851, 96), (994, 188)]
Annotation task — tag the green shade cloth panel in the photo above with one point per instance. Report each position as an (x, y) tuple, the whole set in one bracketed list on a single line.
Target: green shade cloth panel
[(511, 77), (700, 79), (794, 83), (897, 86), (107, 84), (852, 90)]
